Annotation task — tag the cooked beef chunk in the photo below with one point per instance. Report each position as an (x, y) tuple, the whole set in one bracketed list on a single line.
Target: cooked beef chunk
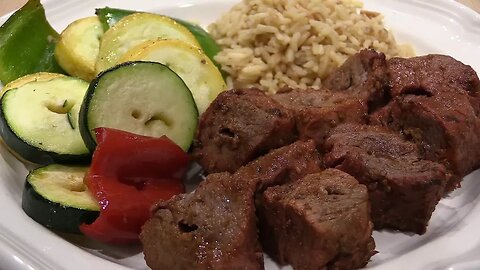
[(243, 124), (321, 221), (282, 165), (318, 111), (403, 188), (215, 226), (443, 126), (239, 126), (211, 228), (364, 75), (381, 117), (410, 74), (436, 104)]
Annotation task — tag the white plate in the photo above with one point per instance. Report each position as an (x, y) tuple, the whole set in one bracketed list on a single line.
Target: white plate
[(451, 242)]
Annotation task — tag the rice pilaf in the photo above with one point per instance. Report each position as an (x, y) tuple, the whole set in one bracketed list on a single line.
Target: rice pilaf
[(296, 43)]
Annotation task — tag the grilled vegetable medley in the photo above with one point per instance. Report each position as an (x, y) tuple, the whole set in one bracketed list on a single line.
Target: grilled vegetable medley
[(126, 87)]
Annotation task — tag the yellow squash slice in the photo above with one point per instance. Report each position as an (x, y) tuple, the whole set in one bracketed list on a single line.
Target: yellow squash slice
[(35, 77), (77, 50), (189, 62), (135, 29)]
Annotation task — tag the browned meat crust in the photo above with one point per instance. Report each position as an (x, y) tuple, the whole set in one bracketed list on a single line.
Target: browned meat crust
[(403, 188), (212, 228), (436, 105), (363, 75), (318, 222), (282, 165), (449, 136), (407, 74), (215, 226), (243, 124), (318, 111), (239, 126), (433, 101)]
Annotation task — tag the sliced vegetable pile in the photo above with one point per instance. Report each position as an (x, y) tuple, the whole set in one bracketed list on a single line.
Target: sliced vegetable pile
[(125, 86)]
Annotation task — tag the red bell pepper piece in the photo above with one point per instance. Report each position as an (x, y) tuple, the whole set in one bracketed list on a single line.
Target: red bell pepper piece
[(128, 175)]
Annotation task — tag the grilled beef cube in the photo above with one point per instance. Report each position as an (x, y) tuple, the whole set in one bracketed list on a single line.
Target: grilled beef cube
[(363, 75), (381, 117), (409, 74), (321, 221), (403, 188), (436, 104), (318, 111), (282, 165), (443, 126), (239, 126), (215, 226), (211, 228)]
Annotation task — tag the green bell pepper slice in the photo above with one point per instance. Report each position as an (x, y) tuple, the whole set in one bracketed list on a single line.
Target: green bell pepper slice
[(208, 44), (110, 16), (27, 43)]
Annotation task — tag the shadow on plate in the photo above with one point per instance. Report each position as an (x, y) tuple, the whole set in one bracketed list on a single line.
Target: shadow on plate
[(13, 172), (125, 255)]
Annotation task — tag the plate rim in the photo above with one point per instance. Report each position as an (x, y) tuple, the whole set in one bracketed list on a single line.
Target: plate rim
[(15, 249)]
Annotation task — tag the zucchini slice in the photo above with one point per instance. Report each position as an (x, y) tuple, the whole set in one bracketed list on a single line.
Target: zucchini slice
[(189, 62), (56, 197), (135, 29), (77, 49), (38, 119), (144, 98)]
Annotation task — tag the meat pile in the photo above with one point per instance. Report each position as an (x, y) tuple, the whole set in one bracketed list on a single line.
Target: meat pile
[(215, 227), (304, 175), (403, 188)]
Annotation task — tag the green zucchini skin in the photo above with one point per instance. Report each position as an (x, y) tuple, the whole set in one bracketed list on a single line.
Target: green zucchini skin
[(86, 128), (54, 215), (21, 143), (85, 132), (34, 154), (51, 214), (87, 137)]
